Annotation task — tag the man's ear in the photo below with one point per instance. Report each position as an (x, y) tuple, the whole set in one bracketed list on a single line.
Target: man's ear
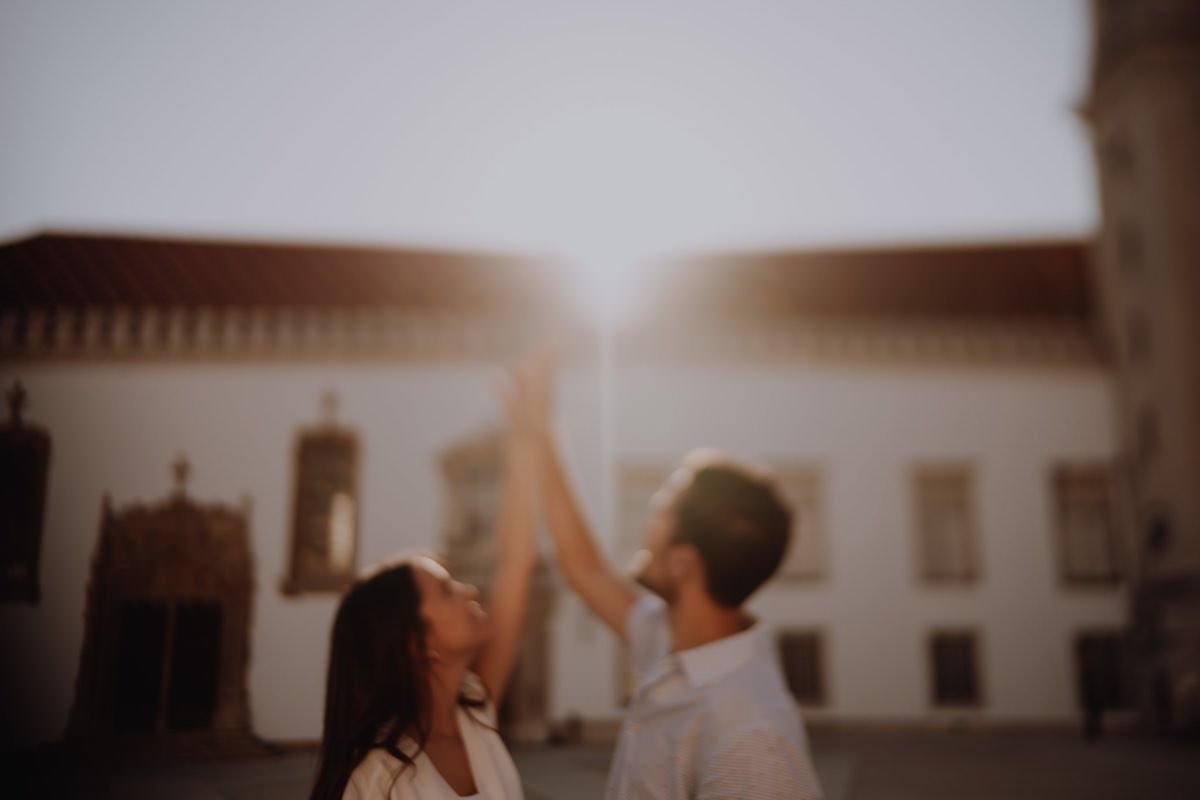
[(683, 563)]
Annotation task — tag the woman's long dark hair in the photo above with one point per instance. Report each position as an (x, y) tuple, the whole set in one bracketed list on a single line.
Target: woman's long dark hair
[(377, 689)]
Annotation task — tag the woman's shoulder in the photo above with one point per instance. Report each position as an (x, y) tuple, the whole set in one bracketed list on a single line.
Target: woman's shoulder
[(479, 702), (473, 689), (378, 777)]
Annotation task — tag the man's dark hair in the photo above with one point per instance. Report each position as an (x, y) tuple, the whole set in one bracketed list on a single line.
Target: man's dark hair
[(737, 522)]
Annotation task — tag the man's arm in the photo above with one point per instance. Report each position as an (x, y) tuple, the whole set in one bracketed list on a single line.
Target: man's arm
[(606, 593)]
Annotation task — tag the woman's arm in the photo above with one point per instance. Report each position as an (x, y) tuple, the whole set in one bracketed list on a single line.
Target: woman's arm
[(516, 559)]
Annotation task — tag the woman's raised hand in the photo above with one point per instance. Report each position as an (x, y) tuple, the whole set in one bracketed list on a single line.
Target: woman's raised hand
[(526, 393)]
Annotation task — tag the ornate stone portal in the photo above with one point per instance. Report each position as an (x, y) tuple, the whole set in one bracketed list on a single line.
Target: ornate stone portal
[(473, 472), (166, 641)]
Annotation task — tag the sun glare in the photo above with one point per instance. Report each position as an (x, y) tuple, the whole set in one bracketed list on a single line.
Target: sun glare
[(606, 285)]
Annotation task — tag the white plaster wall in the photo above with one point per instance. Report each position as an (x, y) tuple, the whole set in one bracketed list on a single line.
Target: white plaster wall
[(116, 429), (867, 427)]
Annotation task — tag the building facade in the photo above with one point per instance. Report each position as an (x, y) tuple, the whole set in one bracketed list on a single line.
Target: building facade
[(1144, 111), (941, 418)]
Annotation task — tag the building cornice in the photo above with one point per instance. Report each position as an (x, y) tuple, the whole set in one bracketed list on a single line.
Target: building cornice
[(381, 335), (125, 299), (907, 342)]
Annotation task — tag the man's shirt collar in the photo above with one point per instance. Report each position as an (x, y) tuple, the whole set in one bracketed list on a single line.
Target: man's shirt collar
[(710, 662)]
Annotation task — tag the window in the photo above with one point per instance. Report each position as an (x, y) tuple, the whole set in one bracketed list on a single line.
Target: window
[(324, 510), (1085, 520), (473, 478), (1147, 435), (1116, 157), (953, 657), (1159, 534), (801, 656), (945, 530), (24, 464), (1131, 250), (479, 494), (801, 486)]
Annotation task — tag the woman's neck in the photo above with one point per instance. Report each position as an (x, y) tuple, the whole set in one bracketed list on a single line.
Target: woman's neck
[(445, 686)]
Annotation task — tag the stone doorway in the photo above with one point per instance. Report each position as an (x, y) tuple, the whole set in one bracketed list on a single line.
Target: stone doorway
[(168, 657), (166, 641)]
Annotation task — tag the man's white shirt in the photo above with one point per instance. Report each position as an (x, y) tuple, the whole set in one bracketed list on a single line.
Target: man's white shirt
[(715, 721)]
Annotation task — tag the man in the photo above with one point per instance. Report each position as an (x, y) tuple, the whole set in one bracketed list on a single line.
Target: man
[(711, 716)]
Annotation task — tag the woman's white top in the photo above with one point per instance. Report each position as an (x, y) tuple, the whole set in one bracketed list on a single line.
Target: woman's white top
[(382, 776)]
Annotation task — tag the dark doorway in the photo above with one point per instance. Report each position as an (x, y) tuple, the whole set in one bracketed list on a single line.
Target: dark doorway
[(139, 675), (195, 651), (1100, 663), (179, 643)]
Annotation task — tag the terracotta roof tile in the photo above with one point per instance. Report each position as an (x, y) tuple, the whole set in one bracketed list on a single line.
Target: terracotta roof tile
[(75, 270), (988, 280), (1043, 279)]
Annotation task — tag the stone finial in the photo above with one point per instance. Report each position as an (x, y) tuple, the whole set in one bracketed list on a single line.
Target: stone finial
[(329, 406), (182, 469)]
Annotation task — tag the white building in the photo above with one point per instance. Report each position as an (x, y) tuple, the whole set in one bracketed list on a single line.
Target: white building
[(942, 418)]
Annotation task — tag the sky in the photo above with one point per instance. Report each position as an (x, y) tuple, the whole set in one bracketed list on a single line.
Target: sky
[(600, 130)]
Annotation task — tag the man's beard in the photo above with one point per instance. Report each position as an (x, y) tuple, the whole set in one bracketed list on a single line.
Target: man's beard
[(642, 569)]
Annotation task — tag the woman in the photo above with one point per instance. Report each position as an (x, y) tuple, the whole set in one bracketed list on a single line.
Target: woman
[(417, 668)]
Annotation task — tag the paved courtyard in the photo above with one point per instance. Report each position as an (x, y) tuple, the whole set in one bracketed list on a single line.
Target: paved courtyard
[(854, 765)]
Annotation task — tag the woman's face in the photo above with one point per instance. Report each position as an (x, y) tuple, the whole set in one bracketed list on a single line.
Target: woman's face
[(456, 625)]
